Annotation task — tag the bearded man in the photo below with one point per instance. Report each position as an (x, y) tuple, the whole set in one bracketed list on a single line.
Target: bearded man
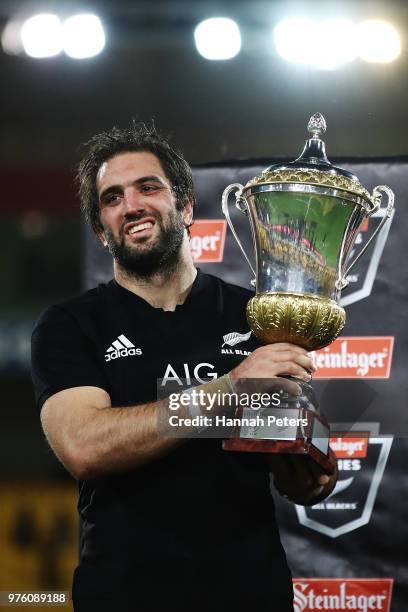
[(171, 523)]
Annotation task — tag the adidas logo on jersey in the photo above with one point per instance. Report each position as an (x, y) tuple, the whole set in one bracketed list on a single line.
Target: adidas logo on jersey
[(122, 347)]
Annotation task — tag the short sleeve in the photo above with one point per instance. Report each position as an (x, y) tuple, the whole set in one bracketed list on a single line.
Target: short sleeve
[(62, 356)]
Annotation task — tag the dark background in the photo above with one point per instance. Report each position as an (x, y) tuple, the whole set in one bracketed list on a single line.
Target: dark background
[(253, 106)]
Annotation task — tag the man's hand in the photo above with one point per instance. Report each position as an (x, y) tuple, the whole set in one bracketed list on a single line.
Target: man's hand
[(272, 361), (301, 479)]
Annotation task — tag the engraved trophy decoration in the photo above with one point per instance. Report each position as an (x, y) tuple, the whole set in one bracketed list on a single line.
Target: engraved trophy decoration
[(304, 217)]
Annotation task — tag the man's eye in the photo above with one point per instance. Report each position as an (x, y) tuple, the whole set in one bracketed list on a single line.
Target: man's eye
[(112, 198), (148, 188)]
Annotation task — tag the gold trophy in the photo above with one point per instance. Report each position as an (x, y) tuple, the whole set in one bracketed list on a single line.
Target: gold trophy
[(304, 217)]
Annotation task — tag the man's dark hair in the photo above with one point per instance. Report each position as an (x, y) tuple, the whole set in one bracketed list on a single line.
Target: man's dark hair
[(137, 137)]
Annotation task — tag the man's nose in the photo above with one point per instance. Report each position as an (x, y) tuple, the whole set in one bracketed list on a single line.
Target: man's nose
[(133, 200)]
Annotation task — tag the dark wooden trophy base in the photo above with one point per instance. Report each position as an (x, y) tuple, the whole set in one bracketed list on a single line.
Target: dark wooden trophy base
[(309, 440)]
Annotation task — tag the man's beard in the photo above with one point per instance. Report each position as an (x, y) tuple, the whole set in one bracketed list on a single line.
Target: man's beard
[(162, 256)]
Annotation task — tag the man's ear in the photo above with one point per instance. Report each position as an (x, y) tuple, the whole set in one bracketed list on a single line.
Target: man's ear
[(188, 214), (101, 236)]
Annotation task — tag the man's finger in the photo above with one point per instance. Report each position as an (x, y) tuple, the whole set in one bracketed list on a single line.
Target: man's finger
[(287, 385), (284, 346), (300, 467), (280, 467), (318, 473)]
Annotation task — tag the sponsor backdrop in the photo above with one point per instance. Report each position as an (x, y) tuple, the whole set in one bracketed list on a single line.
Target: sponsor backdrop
[(349, 552)]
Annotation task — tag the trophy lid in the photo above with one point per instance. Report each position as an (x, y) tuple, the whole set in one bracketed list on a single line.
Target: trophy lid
[(312, 167)]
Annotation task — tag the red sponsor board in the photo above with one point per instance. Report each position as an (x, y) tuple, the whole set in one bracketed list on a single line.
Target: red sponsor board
[(358, 594), (364, 225), (349, 447), (207, 240), (355, 357)]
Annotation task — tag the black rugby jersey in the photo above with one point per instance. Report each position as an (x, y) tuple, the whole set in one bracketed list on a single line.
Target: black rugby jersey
[(198, 522)]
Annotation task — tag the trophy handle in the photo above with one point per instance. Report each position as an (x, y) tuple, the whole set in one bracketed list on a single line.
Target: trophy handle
[(242, 205), (377, 194)]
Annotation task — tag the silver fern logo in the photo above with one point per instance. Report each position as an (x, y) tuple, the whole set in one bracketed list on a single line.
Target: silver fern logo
[(341, 485), (235, 338)]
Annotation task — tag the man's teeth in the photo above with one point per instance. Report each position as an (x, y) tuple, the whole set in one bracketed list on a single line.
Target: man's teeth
[(140, 227)]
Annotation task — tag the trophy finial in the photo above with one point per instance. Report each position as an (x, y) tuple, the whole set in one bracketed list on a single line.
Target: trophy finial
[(317, 125)]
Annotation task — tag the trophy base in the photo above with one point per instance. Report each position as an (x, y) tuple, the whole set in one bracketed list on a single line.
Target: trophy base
[(293, 447), (299, 431)]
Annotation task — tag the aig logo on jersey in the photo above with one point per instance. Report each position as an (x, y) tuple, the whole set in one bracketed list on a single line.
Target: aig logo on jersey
[(121, 347), (361, 460), (207, 240)]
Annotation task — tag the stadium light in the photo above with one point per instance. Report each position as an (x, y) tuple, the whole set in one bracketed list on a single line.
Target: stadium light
[(41, 35), (83, 36), (336, 44), (331, 43), (11, 38), (326, 44), (218, 38), (294, 40), (378, 41)]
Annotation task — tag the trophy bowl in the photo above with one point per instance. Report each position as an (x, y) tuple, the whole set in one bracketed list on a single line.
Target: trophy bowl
[(304, 218)]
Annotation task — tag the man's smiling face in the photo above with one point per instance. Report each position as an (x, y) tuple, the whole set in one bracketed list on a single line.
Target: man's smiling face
[(142, 226)]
